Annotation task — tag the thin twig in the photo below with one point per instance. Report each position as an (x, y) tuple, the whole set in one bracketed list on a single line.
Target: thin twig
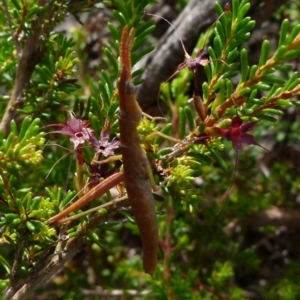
[(8, 16), (114, 202)]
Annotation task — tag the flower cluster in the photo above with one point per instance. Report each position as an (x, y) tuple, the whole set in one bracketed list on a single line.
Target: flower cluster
[(80, 133)]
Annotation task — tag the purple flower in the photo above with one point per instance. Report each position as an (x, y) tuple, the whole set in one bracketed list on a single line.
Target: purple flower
[(103, 146), (193, 63), (238, 135), (77, 130)]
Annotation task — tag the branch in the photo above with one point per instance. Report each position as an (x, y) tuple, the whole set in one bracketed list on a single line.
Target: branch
[(273, 217), (53, 263)]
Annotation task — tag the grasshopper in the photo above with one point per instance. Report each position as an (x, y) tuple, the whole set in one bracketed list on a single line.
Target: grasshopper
[(136, 166)]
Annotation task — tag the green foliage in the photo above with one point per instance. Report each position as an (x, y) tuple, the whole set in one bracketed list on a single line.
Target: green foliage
[(53, 80), (208, 188), (19, 149)]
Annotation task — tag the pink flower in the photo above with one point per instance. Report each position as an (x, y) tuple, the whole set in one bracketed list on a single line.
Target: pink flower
[(77, 130)]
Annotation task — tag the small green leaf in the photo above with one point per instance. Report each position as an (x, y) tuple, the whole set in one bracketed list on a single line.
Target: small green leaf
[(284, 102), (232, 55), (221, 85), (123, 10), (294, 33), (13, 128), (38, 225), (244, 65), (104, 94), (218, 158), (272, 111), (218, 46), (273, 79), (17, 4), (64, 202), (205, 90), (112, 59), (243, 10), (30, 226), (5, 264), (238, 41), (208, 72), (109, 224), (201, 158), (36, 213), (144, 33), (35, 11), (164, 151), (245, 26), (292, 82), (166, 130), (108, 83), (96, 107), (253, 70), (137, 56), (189, 117), (232, 74), (114, 31), (128, 216), (235, 9), (35, 203), (292, 54), (219, 30), (120, 17), (229, 89), (138, 72), (261, 86), (17, 221), (20, 206), (266, 117), (265, 51), (25, 125), (244, 91), (285, 25), (10, 141), (218, 8), (274, 91), (113, 108), (47, 72), (280, 52)]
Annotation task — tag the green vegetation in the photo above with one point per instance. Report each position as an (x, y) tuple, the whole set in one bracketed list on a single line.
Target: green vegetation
[(226, 207)]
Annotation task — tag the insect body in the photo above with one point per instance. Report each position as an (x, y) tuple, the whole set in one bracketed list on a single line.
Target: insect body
[(135, 162)]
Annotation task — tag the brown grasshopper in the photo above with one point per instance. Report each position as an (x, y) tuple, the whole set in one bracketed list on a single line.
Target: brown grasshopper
[(136, 166)]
